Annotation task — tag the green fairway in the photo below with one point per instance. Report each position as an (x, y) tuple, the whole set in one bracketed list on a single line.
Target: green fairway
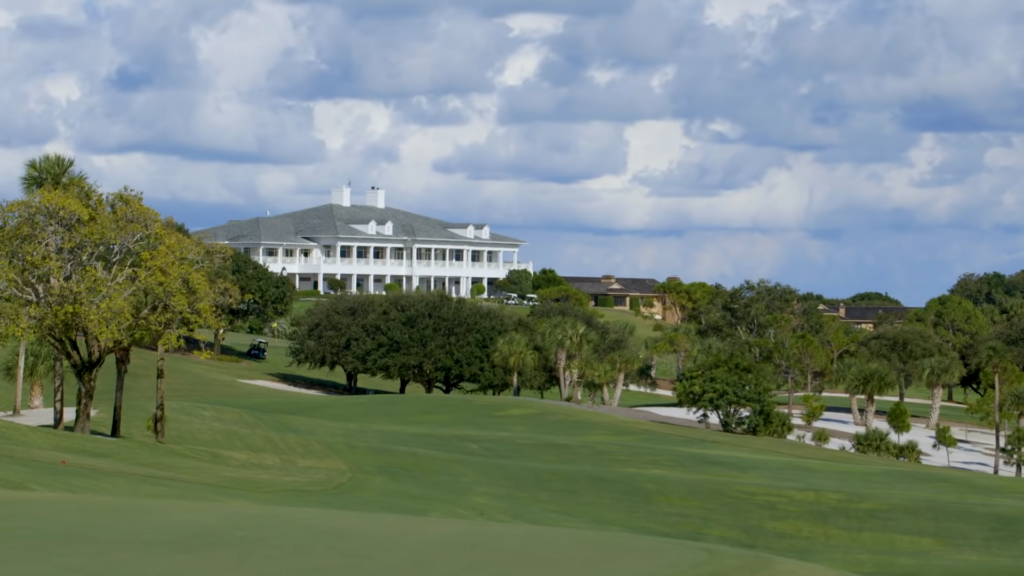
[(261, 481)]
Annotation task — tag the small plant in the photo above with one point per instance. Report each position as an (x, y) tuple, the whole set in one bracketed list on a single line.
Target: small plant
[(944, 439), (1013, 452), (813, 410), (908, 452), (820, 437), (801, 438), (477, 290), (874, 441), (336, 285), (898, 419), (204, 354), (392, 288)]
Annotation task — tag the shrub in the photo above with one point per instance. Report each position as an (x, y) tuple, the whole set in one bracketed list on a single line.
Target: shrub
[(477, 290), (813, 410), (820, 437), (204, 354), (300, 294), (909, 451), (898, 419), (801, 438), (874, 441), (566, 295), (766, 420), (336, 285), (605, 302), (634, 305), (392, 288)]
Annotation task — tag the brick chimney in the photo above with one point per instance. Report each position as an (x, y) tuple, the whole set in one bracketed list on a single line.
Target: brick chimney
[(842, 310), (609, 278)]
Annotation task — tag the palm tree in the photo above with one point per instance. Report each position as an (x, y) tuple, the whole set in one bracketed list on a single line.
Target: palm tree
[(936, 373), (992, 357), (50, 170), (1013, 402), (868, 378), (515, 352), (34, 363)]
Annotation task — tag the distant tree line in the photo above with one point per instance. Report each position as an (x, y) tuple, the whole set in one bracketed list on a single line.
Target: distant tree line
[(733, 346), (443, 343)]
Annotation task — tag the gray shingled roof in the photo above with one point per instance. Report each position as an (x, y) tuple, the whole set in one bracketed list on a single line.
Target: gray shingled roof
[(594, 285), (337, 220)]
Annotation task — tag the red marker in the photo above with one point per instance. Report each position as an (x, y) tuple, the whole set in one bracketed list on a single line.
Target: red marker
[(63, 462)]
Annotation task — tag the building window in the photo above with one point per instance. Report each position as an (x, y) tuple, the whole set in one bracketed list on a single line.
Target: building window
[(328, 250), (345, 252), (304, 252), (457, 255), (423, 253), (620, 301), (380, 253), (398, 254), (362, 252), (474, 256), (270, 252), (289, 253), (246, 251)]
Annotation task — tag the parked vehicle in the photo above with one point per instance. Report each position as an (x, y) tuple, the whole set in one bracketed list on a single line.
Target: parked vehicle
[(530, 300), (257, 349), (511, 300)]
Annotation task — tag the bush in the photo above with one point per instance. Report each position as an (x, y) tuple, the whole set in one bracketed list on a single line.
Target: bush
[(392, 288), (477, 290), (204, 354), (813, 410), (566, 295), (300, 294), (766, 420), (874, 441), (634, 305), (820, 437), (336, 285), (605, 302), (909, 451)]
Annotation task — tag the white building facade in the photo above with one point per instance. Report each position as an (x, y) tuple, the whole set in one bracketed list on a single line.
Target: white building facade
[(370, 245)]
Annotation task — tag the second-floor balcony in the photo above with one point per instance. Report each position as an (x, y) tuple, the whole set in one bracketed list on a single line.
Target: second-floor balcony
[(389, 263)]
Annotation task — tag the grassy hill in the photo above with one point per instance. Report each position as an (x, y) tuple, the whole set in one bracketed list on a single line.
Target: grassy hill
[(260, 481)]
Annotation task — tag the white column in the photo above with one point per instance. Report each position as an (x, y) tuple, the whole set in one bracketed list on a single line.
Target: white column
[(515, 258), (415, 280), (352, 280), (296, 280), (387, 279), (432, 279), (320, 282), (370, 279)]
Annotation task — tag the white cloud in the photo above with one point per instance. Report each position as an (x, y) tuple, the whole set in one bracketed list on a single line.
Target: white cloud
[(522, 65), (533, 25), (720, 139)]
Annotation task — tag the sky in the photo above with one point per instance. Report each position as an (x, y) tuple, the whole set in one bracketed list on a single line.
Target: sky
[(835, 145)]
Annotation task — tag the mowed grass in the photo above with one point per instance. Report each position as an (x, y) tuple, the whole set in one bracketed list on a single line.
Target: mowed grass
[(260, 481)]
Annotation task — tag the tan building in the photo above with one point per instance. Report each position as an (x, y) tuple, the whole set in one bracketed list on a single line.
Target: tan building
[(623, 292)]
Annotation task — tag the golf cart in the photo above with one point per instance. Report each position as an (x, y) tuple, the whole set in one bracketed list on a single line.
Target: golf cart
[(530, 300), (257, 349), (511, 300)]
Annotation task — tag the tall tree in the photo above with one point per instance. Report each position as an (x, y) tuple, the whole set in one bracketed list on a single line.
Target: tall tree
[(73, 261), (515, 353), (957, 322), (936, 372), (35, 364), (993, 357), (903, 349), (869, 378), (840, 339), (55, 172)]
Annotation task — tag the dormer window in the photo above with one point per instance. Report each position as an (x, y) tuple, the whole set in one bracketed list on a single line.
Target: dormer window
[(371, 228), (388, 229)]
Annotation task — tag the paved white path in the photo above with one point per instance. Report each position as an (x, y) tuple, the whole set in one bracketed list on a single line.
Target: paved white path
[(40, 417), (974, 452)]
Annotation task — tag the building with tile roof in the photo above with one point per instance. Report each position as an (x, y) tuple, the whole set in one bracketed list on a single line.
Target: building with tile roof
[(866, 317), (370, 245), (625, 293)]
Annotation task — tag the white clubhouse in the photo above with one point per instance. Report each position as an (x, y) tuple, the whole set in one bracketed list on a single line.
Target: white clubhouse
[(370, 245)]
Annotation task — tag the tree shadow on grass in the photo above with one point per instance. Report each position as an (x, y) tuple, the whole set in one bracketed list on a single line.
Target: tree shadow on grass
[(323, 385)]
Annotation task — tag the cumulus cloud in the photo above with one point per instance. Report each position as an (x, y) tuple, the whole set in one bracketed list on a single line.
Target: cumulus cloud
[(834, 145)]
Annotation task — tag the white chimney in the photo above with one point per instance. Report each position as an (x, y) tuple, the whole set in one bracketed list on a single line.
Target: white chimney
[(341, 195), (375, 197)]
